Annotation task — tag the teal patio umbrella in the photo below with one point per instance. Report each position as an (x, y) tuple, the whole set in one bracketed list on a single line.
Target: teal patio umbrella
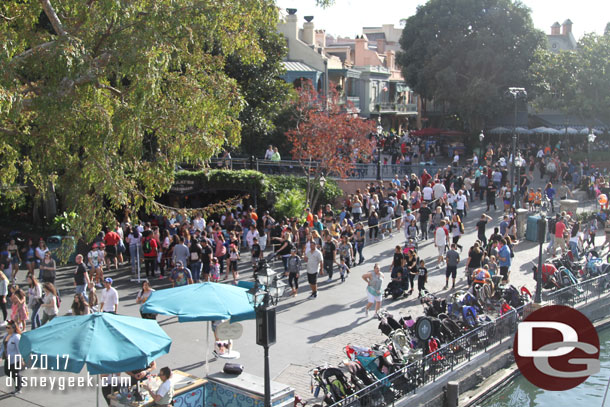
[(104, 342), (202, 302)]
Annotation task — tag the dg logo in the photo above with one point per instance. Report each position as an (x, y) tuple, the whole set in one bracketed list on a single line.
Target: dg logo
[(557, 348)]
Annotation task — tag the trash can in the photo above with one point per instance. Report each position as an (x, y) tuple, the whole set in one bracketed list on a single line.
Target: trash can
[(531, 233)]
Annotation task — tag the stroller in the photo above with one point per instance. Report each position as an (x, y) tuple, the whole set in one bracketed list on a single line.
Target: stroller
[(333, 382)]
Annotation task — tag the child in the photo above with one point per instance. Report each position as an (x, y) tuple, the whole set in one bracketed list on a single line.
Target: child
[(18, 307), (493, 265), (233, 257), (531, 199), (538, 199), (422, 271), (343, 269), (256, 252), (215, 270)]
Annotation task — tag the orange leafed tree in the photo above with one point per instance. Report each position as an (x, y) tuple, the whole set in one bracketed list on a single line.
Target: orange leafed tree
[(329, 139)]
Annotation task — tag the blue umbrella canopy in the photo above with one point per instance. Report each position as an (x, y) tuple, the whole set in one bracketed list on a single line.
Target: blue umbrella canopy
[(201, 302), (106, 343)]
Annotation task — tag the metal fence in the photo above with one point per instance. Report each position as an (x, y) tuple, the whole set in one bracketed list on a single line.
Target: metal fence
[(580, 293), (415, 375), (361, 170)]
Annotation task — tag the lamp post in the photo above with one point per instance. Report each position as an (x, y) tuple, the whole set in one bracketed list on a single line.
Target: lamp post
[(322, 181), (518, 163), (515, 93), (263, 296), (591, 139), (379, 136), (481, 138)]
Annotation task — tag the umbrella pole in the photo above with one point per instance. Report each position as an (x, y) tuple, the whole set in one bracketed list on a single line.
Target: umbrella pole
[(97, 393), (207, 350)]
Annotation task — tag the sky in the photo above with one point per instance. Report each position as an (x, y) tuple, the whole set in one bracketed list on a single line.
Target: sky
[(347, 17)]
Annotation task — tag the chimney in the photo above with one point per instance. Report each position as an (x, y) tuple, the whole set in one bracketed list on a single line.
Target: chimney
[(380, 46), (389, 59), (292, 29), (566, 27), (321, 38), (555, 28), (308, 31)]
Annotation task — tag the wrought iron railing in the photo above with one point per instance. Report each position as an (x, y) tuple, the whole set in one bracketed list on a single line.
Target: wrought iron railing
[(360, 171), (426, 370), (417, 374)]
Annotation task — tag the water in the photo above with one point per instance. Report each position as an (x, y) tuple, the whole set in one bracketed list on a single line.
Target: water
[(521, 393)]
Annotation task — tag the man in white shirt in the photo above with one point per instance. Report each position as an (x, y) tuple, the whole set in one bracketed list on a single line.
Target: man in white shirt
[(269, 153), (199, 223), (461, 204), (110, 298), (439, 189), (314, 266), (427, 193)]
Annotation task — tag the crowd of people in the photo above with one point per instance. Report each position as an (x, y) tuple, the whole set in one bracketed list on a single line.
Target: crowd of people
[(325, 242)]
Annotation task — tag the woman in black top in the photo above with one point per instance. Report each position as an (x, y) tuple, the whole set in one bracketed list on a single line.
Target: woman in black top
[(475, 254), (411, 266)]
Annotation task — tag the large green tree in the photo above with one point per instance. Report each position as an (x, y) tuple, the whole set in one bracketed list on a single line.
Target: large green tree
[(576, 82), (465, 53), (265, 93), (100, 99)]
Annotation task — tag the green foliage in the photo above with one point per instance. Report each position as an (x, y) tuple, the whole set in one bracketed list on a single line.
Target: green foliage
[(64, 222), (265, 93), (266, 186), (329, 194), (290, 203), (575, 82), (465, 53), (103, 98)]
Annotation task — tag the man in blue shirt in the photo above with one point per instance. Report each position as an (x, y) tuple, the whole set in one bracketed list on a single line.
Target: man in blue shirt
[(504, 225), (504, 259)]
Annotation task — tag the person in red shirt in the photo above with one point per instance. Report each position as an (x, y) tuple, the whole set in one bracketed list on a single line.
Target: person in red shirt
[(425, 178), (560, 229), (150, 249), (112, 239)]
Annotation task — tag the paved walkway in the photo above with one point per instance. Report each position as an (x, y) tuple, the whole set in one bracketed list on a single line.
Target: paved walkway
[(309, 332)]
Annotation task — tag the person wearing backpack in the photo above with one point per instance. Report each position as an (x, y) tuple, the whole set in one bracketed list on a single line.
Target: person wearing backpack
[(150, 250), (551, 231)]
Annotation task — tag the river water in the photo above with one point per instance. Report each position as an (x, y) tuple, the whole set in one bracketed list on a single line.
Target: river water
[(521, 393)]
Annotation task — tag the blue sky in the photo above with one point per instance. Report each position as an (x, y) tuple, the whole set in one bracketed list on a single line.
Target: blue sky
[(347, 17)]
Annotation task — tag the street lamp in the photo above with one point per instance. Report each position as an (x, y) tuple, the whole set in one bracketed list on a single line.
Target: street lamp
[(322, 181), (591, 139), (379, 136), (263, 295), (541, 238), (518, 162), (516, 94), (481, 138)]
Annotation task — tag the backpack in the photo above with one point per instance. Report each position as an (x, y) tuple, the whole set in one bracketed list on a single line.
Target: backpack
[(552, 224), (146, 246), (384, 211), (461, 227)]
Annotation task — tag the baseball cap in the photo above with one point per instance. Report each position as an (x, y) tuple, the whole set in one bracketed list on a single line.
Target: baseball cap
[(108, 280), (179, 263), (95, 246)]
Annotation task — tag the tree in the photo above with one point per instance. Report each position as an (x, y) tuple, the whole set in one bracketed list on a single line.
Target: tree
[(100, 99), (576, 82), (465, 53), (265, 93), (327, 139)]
